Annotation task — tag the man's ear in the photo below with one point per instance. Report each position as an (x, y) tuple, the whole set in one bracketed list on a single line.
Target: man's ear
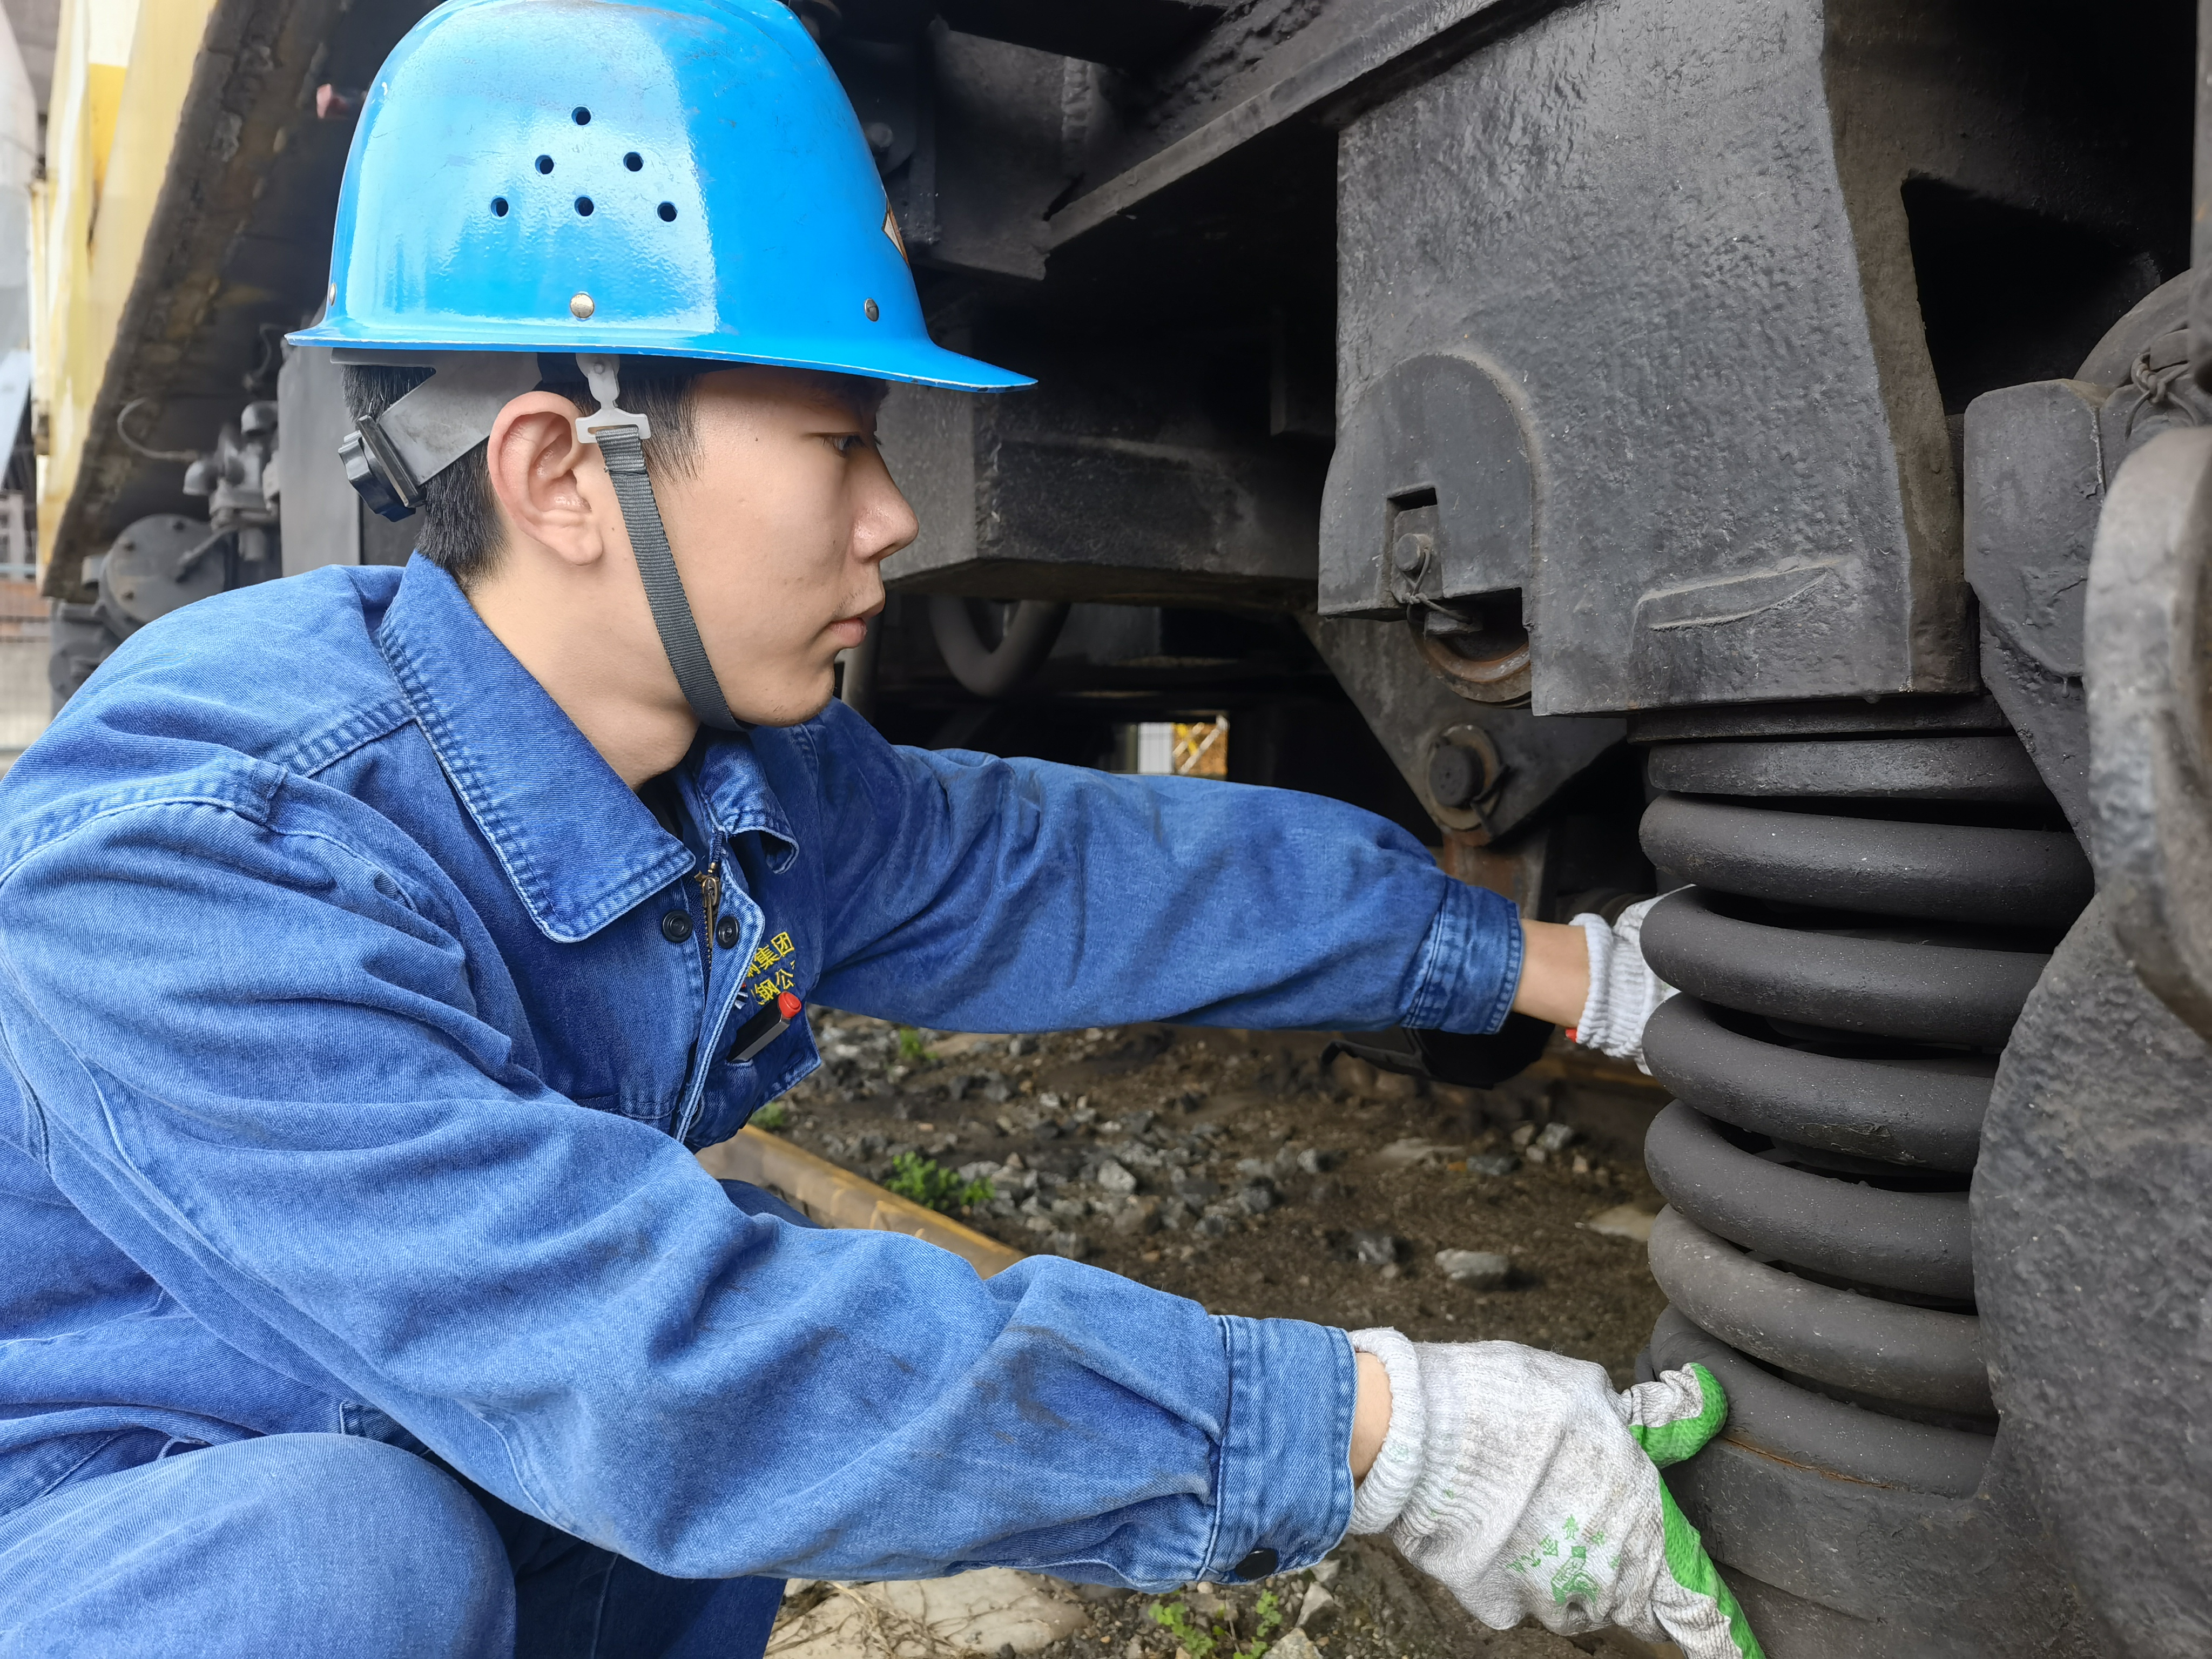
[(537, 466)]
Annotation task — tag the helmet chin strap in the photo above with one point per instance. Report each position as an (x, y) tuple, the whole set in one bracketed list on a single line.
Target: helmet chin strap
[(621, 437)]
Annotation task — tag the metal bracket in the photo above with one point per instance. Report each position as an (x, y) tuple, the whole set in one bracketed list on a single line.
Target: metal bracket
[(2148, 647)]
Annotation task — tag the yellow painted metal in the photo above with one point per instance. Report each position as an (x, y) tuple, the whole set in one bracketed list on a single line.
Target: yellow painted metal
[(838, 1198), (121, 72), (103, 99)]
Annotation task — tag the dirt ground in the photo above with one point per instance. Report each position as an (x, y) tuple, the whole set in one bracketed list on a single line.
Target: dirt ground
[(1227, 1167)]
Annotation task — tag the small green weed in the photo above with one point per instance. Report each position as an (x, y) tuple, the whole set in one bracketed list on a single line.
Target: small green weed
[(1175, 1619), (1267, 1619), (912, 1049), (928, 1183), (1206, 1641), (771, 1117)]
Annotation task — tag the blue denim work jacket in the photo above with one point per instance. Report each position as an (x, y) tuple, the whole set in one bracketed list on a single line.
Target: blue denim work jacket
[(361, 1061)]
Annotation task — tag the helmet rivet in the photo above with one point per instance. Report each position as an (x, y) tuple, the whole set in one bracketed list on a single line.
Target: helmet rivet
[(581, 307), (871, 309), (331, 298)]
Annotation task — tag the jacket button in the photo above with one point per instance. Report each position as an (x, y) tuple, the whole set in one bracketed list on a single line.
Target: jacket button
[(1258, 1564), (726, 934), (676, 926)]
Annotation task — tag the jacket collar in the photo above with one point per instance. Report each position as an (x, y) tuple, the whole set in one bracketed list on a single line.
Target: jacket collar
[(578, 845)]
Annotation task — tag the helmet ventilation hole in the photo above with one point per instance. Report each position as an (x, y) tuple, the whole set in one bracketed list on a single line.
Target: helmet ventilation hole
[(499, 207), (583, 206), (581, 116), (633, 162), (668, 212), (545, 164)]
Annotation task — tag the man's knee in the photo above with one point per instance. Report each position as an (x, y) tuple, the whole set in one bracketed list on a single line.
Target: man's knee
[(290, 1544), (398, 1540)]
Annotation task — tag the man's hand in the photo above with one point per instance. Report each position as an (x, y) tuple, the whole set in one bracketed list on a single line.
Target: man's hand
[(1590, 976), (1523, 1483), (1623, 990)]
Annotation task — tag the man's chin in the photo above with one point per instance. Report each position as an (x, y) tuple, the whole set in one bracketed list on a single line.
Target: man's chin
[(793, 713)]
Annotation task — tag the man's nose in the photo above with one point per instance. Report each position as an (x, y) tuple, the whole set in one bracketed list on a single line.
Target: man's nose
[(887, 522)]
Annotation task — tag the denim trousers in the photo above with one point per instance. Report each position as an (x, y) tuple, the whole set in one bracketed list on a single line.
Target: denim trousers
[(314, 1544)]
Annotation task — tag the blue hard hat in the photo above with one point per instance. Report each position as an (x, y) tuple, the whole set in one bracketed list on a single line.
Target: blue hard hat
[(685, 179)]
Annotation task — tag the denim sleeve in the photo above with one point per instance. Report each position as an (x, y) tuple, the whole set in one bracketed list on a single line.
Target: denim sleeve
[(277, 1071), (977, 894)]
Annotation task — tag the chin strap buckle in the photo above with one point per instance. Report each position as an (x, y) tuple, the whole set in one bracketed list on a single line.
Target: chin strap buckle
[(604, 375)]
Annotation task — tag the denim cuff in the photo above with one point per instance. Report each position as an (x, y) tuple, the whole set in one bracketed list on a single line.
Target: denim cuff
[(1471, 965), (1283, 1497)]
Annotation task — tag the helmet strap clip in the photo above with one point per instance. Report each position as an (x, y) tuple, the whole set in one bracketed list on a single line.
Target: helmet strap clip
[(602, 373)]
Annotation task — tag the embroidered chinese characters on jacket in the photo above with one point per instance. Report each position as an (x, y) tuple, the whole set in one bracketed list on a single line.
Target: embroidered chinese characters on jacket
[(772, 970)]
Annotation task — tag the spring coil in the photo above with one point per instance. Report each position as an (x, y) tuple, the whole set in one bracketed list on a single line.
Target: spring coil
[(1865, 919)]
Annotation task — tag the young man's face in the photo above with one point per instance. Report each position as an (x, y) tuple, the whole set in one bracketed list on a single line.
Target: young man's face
[(779, 529)]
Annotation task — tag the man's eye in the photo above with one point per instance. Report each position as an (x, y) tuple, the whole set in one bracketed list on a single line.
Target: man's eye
[(847, 443)]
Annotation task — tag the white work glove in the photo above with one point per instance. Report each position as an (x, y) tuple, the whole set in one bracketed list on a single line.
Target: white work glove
[(1622, 991), (1526, 1487)]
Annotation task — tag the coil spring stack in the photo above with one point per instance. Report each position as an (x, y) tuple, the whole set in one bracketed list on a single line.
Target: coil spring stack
[(1865, 918)]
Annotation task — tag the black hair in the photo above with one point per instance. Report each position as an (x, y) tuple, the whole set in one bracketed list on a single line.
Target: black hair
[(456, 524)]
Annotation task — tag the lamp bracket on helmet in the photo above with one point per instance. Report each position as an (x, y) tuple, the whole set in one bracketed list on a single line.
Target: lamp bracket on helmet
[(377, 475)]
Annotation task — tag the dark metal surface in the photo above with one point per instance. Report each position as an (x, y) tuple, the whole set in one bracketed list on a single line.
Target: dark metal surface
[(1921, 1356), (1947, 871), (140, 579), (1844, 1568), (1964, 767), (2035, 482), (1926, 990), (1799, 133), (1800, 1245), (1924, 1111), (82, 641), (1285, 60), (2093, 1247), (1078, 490), (990, 162), (1822, 1438), (1910, 1240), (2150, 649), (2200, 239), (1850, 717), (2040, 462), (1429, 493), (1028, 632), (1413, 711), (1123, 33)]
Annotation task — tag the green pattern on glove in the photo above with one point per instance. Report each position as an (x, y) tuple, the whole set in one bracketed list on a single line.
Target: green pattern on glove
[(1666, 1443), (1691, 1567), (1694, 1571)]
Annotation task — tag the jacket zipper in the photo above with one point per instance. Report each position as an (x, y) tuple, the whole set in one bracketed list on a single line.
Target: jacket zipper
[(710, 894), (710, 897)]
